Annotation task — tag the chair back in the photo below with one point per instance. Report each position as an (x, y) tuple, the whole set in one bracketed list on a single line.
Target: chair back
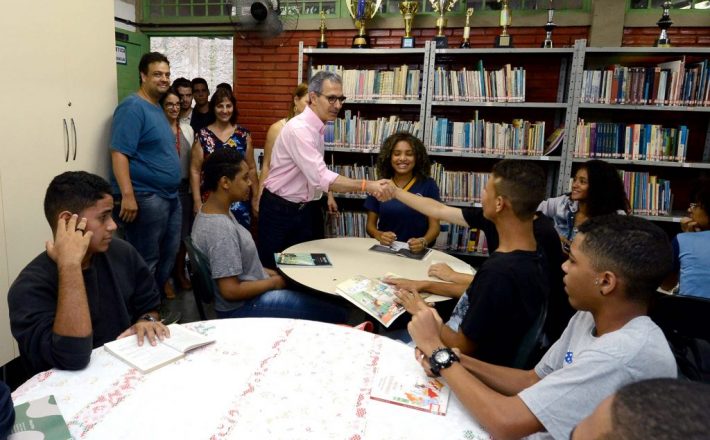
[(531, 342), (203, 285), (684, 321)]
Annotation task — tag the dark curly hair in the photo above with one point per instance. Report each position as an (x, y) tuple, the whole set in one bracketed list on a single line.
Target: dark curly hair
[(422, 164), (606, 193), (700, 193)]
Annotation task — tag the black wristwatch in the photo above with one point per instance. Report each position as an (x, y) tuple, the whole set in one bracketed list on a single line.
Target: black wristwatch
[(441, 358), (148, 317)]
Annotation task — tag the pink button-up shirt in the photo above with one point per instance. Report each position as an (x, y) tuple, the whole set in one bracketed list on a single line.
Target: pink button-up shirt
[(298, 172)]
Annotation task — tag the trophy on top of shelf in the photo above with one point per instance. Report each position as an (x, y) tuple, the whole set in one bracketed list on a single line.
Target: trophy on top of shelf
[(467, 30), (322, 44), (361, 11), (441, 6), (408, 9), (504, 40), (549, 27), (664, 24)]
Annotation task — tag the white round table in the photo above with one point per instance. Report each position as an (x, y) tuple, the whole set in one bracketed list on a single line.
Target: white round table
[(351, 256), (262, 379)]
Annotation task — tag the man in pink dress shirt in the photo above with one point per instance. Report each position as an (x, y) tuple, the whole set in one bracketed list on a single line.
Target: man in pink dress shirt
[(298, 174)]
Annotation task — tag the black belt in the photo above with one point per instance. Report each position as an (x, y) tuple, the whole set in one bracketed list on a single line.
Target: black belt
[(283, 202)]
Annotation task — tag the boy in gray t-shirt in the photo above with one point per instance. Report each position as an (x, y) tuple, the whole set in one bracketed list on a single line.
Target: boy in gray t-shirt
[(245, 287), (614, 266)]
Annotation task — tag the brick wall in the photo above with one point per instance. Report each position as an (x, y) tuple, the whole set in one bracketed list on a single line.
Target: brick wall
[(266, 71), (680, 36)]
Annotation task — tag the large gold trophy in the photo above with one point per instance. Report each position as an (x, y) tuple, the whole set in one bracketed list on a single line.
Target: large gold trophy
[(408, 9), (361, 11), (442, 7), (504, 39)]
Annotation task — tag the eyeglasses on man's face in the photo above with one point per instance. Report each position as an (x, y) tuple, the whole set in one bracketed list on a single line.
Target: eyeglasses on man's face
[(332, 98), (692, 206)]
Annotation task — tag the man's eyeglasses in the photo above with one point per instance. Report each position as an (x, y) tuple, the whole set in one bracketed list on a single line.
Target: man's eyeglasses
[(692, 206), (332, 98)]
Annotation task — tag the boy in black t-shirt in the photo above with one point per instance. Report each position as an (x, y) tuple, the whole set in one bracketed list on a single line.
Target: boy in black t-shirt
[(511, 287)]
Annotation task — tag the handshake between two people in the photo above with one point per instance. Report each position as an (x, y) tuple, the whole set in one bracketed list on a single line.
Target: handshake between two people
[(383, 189)]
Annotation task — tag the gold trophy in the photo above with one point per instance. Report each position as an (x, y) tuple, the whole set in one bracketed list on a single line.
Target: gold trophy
[(441, 6), (408, 9), (322, 44), (361, 11), (504, 40), (467, 30)]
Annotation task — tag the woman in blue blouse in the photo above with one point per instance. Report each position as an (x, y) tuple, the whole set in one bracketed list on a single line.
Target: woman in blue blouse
[(597, 189), (403, 158)]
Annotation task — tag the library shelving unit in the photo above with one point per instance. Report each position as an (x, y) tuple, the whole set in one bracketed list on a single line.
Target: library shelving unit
[(678, 127), (528, 86)]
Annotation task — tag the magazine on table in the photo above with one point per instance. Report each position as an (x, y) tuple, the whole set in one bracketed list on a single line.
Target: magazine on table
[(303, 259), (373, 296), (147, 357), (412, 390), (39, 419), (400, 249)]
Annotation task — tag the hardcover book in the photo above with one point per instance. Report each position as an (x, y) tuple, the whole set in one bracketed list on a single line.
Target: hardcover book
[(147, 358), (302, 259)]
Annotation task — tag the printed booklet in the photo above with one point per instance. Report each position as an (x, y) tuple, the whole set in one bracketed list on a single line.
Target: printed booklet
[(373, 296), (147, 358), (412, 390), (302, 259), (39, 419), (400, 249)]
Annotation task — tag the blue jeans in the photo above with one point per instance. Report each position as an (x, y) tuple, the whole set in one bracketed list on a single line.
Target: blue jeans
[(284, 303), (155, 232)]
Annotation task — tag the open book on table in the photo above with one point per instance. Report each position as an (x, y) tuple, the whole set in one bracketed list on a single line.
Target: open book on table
[(373, 296), (147, 358), (400, 249), (412, 390), (39, 419), (302, 259)]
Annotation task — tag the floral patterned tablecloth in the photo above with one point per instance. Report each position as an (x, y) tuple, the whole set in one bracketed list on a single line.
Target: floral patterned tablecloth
[(261, 379)]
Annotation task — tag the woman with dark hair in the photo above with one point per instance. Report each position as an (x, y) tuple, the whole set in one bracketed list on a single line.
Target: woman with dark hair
[(597, 189), (184, 135), (691, 248), (403, 158), (222, 133)]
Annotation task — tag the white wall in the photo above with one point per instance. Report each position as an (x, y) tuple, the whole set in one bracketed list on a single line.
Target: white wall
[(125, 9)]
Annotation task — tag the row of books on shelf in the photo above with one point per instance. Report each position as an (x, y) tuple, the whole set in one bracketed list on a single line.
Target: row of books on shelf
[(355, 132), (458, 186), (648, 195), (670, 83), (519, 137), (610, 140), (346, 224), (506, 84), (457, 238), (400, 83)]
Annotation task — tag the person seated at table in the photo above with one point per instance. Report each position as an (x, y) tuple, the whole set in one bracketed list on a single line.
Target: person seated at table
[(245, 287), (403, 158), (691, 248), (454, 284), (597, 189), (7, 411), (658, 409), (511, 287), (615, 265), (88, 288)]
